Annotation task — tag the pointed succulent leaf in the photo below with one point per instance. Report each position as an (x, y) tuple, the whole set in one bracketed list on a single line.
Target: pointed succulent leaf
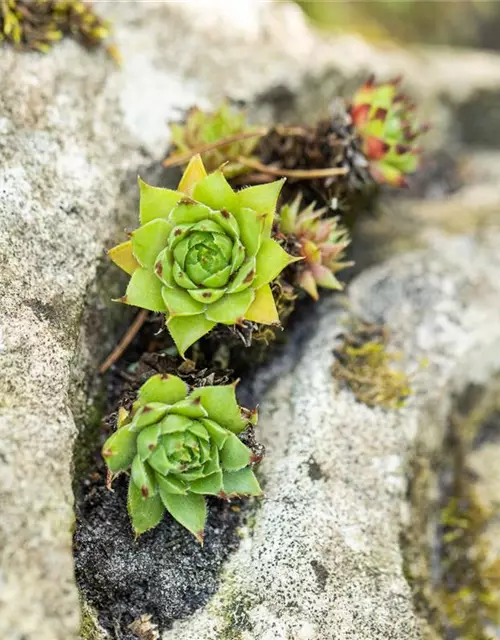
[(251, 225), (234, 454), (149, 240), (221, 405), (174, 423), (198, 430), (147, 441), (241, 483), (189, 510), (262, 199), (206, 296), (244, 277), (123, 256), (163, 387), (180, 303), (144, 290), (325, 278), (209, 485), (143, 477), (186, 330), (263, 308), (191, 407), (215, 191), (144, 513), (119, 450), (189, 212), (308, 283), (159, 461), (194, 173), (271, 260), (288, 215), (156, 202), (231, 308), (148, 414), (170, 484), (217, 433)]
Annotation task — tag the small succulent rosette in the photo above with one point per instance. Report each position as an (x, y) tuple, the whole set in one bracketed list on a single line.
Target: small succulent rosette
[(180, 447), (385, 120), (204, 254), (203, 128), (320, 241)]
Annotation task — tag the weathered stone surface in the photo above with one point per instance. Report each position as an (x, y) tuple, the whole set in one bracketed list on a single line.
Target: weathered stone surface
[(324, 559), (73, 129)]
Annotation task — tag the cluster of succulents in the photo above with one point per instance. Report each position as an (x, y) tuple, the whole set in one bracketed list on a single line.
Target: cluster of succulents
[(180, 447), (202, 131), (319, 240), (38, 24), (203, 254), (385, 121), (210, 256)]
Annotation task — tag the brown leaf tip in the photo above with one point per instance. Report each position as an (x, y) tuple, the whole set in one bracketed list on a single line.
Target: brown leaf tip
[(107, 453), (187, 201), (144, 491), (225, 213)]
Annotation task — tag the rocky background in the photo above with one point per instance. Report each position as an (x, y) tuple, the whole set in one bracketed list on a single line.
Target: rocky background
[(323, 557)]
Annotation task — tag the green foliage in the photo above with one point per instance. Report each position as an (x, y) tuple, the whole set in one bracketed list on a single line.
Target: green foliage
[(204, 255), (38, 24), (179, 447), (363, 362), (203, 128), (319, 240), (385, 121)]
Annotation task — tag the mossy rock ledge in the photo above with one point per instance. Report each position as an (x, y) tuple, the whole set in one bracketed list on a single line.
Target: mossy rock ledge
[(320, 557)]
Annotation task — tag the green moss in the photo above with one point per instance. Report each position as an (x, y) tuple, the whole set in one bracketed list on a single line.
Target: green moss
[(89, 625), (235, 614), (366, 366), (35, 25), (454, 574)]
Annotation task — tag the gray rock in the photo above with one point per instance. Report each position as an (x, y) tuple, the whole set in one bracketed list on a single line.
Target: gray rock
[(73, 131), (323, 560)]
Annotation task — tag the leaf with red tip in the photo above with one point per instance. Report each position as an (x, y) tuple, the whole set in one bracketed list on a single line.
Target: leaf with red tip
[(190, 511)]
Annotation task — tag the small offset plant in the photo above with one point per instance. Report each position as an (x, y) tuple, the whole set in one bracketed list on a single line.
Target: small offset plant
[(385, 120), (180, 447), (203, 254), (38, 24), (320, 241), (203, 129)]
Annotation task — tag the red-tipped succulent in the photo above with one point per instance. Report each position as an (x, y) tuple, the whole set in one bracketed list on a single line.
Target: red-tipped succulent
[(385, 121), (320, 241)]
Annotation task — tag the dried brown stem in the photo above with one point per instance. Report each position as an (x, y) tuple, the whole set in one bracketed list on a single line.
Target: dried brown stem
[(181, 158), (301, 174), (120, 348)]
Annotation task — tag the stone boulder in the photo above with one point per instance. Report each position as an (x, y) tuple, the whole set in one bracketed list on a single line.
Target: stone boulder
[(74, 131)]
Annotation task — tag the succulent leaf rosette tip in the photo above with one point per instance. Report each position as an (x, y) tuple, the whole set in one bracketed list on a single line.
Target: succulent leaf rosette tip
[(385, 120), (203, 254), (180, 447)]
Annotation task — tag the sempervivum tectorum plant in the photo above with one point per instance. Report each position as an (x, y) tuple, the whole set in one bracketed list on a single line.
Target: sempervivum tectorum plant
[(385, 120), (204, 254), (206, 129), (320, 241), (180, 447)]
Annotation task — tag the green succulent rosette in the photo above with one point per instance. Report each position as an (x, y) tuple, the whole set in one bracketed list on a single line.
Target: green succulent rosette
[(204, 254), (180, 447), (204, 128)]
